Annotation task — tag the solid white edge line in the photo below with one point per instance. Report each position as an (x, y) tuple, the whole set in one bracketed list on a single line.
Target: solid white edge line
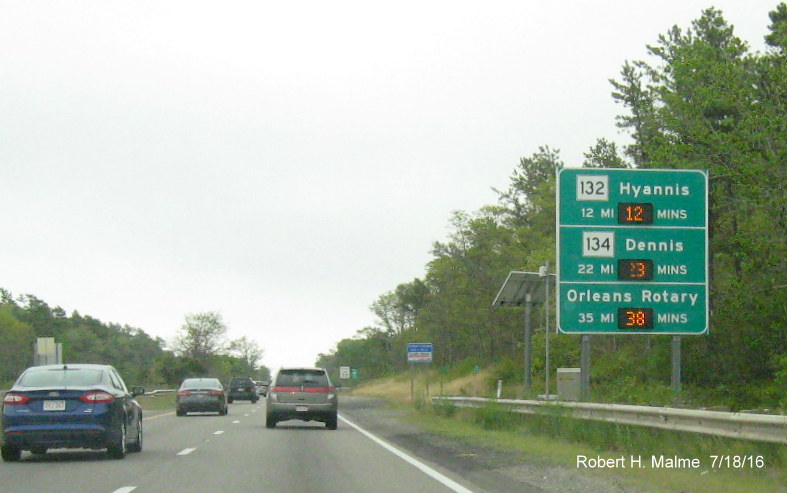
[(410, 460), (125, 489)]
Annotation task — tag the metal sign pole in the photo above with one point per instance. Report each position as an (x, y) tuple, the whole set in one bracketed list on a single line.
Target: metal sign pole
[(528, 343), (412, 383), (676, 367), (545, 269), (584, 364)]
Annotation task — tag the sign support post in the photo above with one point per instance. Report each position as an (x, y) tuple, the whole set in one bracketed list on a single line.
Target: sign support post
[(528, 343), (544, 272), (676, 360), (584, 382), (418, 352)]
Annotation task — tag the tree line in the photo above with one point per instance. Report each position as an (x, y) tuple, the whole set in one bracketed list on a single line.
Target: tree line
[(199, 349), (701, 100)]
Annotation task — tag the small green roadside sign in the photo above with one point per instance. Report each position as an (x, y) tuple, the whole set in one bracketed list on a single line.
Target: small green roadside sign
[(632, 251)]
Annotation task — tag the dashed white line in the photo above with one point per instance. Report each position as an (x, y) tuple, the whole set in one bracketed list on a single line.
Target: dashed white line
[(125, 489), (235, 422), (186, 451), (219, 432)]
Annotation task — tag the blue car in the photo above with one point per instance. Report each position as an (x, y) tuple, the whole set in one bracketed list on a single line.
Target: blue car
[(71, 406)]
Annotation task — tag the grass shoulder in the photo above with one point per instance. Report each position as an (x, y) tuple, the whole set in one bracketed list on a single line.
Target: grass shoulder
[(157, 402), (637, 458)]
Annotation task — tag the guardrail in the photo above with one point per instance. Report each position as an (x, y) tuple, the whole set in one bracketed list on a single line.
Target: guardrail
[(765, 428), (159, 391)]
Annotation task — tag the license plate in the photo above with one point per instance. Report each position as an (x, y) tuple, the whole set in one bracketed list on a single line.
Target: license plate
[(54, 405), (301, 409)]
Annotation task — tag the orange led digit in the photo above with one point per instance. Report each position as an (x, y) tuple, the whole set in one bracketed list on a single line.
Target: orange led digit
[(635, 269), (635, 213), (635, 318)]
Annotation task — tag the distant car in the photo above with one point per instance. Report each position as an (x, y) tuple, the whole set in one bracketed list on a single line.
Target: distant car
[(242, 388), (262, 387), (71, 406), (201, 395), (302, 393)]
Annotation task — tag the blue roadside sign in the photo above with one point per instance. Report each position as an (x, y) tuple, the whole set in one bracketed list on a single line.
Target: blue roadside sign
[(419, 352)]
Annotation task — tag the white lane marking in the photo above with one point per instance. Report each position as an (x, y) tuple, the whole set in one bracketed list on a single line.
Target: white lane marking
[(411, 460), (235, 422), (246, 415), (218, 432), (186, 451), (125, 489)]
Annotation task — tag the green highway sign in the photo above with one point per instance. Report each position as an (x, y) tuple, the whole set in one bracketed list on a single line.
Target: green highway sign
[(632, 251)]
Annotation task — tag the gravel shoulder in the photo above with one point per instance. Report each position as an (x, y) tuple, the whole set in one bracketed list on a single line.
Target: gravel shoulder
[(491, 470)]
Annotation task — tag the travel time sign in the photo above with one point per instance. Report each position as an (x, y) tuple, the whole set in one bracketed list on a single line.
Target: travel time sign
[(632, 251)]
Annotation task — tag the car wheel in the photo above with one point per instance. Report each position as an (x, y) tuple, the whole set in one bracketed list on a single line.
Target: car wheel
[(222, 411), (331, 422), (229, 401), (137, 445), (116, 449), (270, 421), (10, 453), (179, 412)]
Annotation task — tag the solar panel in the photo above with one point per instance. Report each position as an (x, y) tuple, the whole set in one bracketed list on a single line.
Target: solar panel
[(518, 286)]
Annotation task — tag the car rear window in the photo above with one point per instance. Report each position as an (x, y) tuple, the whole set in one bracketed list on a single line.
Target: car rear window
[(201, 383), (241, 381), (305, 378), (72, 377)]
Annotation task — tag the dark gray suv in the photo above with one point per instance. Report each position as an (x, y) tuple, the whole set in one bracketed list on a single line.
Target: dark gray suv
[(242, 388), (302, 393)]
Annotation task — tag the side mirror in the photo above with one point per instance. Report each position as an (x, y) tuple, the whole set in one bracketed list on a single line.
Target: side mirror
[(137, 390)]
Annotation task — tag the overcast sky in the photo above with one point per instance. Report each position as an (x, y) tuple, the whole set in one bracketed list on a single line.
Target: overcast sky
[(285, 163)]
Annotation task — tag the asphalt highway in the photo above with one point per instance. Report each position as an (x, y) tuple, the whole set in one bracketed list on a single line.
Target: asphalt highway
[(237, 454)]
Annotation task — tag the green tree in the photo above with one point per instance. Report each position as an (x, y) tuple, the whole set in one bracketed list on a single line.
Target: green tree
[(15, 352), (248, 353), (710, 104), (604, 155), (777, 38), (202, 335)]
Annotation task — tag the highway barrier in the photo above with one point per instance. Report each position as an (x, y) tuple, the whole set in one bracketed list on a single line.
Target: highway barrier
[(758, 427)]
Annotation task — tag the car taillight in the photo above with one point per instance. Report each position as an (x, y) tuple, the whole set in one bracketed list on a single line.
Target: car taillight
[(318, 390), (285, 389), (96, 397), (184, 392), (14, 399)]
